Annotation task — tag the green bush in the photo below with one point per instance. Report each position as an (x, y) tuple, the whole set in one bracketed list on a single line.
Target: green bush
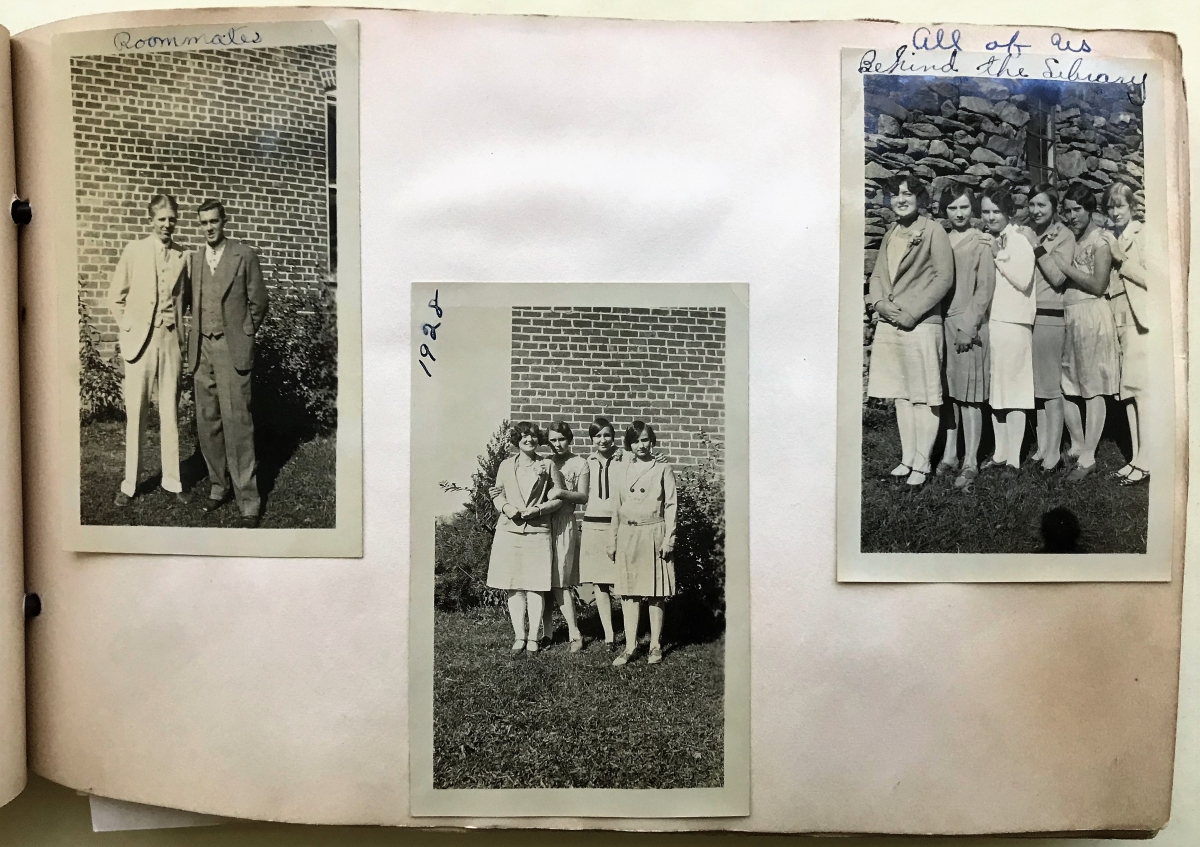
[(295, 367), (100, 396)]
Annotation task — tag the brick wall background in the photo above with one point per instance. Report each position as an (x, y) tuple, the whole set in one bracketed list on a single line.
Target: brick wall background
[(663, 366), (982, 132), (245, 126)]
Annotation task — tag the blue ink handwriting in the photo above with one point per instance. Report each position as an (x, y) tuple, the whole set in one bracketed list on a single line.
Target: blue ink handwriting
[(868, 65), (1065, 46), (1008, 46), (939, 43)]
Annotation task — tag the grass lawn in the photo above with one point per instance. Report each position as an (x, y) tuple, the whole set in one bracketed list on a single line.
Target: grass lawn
[(999, 516), (296, 482), (554, 719)]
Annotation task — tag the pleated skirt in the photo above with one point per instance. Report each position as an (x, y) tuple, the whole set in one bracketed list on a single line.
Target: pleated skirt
[(968, 374), (1049, 338), (906, 364), (1011, 366), (1092, 356), (521, 561), (641, 569), (594, 564)]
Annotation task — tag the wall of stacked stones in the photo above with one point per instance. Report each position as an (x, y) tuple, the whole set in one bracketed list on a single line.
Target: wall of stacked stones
[(974, 131)]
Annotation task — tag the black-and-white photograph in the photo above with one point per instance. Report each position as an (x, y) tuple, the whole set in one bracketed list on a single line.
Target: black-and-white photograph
[(1011, 317), (577, 499), (207, 247)]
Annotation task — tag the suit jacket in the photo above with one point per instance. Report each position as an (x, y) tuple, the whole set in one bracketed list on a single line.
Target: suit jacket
[(133, 292), (925, 274), (243, 304)]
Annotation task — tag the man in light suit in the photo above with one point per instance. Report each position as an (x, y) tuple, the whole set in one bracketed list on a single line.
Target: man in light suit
[(229, 302), (146, 297)]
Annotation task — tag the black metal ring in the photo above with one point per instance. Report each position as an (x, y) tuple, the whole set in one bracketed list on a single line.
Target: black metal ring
[(21, 211)]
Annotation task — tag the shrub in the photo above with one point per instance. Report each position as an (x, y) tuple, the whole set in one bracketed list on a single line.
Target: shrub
[(295, 368), (462, 544), (698, 609), (100, 396)]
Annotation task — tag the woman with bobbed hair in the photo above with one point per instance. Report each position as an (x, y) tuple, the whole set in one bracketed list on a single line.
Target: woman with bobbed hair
[(1129, 300), (913, 273), (1091, 361), (522, 557), (642, 539), (563, 529), (966, 333), (596, 568), (1053, 245), (1010, 326)]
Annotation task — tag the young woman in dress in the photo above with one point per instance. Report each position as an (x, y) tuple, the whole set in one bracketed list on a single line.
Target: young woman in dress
[(1130, 307), (1010, 325), (967, 333), (1091, 361), (522, 557), (596, 568), (563, 529), (913, 272), (1054, 245), (642, 539)]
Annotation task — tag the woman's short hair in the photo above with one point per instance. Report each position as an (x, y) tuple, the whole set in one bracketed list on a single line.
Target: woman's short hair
[(1081, 194), (916, 187), (1119, 189), (523, 428), (1049, 190), (953, 192), (635, 432), (562, 429), (1002, 198), (599, 424)]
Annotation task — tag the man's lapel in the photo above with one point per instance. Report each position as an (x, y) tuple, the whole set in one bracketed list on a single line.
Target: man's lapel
[(225, 267)]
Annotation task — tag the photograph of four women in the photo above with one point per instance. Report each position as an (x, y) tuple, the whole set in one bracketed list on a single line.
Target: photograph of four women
[(604, 521), (986, 320)]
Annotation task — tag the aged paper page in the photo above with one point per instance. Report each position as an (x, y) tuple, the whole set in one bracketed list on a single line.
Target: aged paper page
[(12, 575), (550, 150)]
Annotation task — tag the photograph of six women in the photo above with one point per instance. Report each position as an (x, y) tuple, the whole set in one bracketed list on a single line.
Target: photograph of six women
[(603, 523), (984, 318)]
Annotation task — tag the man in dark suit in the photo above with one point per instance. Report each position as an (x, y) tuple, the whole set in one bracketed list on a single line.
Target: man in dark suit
[(229, 302)]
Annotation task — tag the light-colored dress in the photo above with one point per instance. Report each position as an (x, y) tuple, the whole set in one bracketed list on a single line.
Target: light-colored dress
[(1092, 358), (595, 566), (1130, 307), (522, 557), (914, 271), (1011, 323), (1049, 326), (645, 518), (563, 527), (974, 282)]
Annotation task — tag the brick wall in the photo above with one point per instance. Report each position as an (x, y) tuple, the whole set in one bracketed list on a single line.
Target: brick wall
[(245, 126), (663, 366)]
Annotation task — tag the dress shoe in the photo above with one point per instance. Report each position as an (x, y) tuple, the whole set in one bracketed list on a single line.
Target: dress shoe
[(212, 504), (249, 522), (180, 497)]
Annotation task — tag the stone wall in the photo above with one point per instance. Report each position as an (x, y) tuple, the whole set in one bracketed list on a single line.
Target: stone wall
[(663, 366), (982, 132), (247, 127)]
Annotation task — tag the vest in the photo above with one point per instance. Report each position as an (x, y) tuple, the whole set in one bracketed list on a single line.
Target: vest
[(212, 316)]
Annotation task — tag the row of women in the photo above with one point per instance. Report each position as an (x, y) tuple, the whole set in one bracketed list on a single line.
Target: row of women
[(1049, 318), (624, 544)]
